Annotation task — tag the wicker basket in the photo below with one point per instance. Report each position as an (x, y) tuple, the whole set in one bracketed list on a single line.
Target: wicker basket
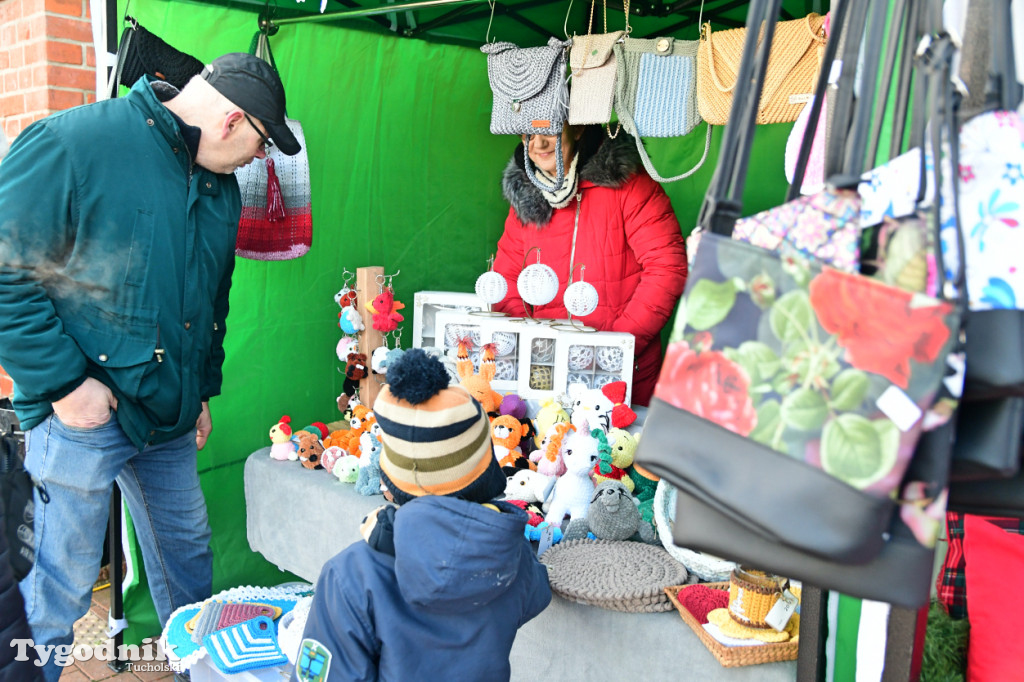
[(737, 656)]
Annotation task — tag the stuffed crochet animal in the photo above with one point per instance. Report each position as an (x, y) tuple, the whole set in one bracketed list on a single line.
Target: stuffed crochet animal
[(571, 494), (506, 433), (310, 449), (479, 385), (345, 297), (332, 453), (528, 486), (548, 457), (590, 406), (346, 469), (550, 413), (623, 447), (385, 311), (368, 478), (346, 345), (281, 445), (350, 321), (612, 515), (362, 420)]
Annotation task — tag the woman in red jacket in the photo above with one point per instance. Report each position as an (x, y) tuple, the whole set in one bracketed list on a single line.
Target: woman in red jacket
[(627, 237)]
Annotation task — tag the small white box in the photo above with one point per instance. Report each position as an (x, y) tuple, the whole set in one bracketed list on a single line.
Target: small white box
[(426, 304), (539, 359)]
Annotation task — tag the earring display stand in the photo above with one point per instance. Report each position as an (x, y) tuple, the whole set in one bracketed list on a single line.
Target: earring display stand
[(369, 338)]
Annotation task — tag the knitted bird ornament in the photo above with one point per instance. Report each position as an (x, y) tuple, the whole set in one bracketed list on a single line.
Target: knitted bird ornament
[(385, 311), (622, 415)]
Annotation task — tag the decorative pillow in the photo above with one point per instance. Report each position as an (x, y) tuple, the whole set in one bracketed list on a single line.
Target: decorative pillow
[(995, 558)]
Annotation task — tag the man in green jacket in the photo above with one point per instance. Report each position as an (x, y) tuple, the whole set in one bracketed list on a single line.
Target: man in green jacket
[(117, 238)]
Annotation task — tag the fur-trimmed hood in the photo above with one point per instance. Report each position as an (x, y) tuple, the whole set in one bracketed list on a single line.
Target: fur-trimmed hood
[(607, 163)]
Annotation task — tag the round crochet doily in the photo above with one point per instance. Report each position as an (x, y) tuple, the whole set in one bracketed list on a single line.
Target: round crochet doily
[(616, 575)]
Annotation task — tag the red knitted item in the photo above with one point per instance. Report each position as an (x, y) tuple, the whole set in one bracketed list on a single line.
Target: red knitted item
[(275, 202), (700, 600)]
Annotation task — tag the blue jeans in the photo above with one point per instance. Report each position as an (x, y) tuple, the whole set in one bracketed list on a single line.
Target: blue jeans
[(160, 485)]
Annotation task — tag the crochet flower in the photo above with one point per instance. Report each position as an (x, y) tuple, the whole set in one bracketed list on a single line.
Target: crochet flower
[(708, 385), (884, 341)]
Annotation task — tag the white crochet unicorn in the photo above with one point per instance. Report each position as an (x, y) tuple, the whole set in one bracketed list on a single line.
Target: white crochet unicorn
[(572, 491)]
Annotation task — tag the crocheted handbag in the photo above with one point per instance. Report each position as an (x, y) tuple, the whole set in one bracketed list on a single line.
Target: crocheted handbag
[(593, 64), (141, 52), (792, 64), (530, 94), (277, 217), (656, 93)]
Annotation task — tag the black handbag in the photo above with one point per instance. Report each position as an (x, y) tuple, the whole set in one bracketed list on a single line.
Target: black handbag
[(16, 495), (844, 543), (988, 439), (142, 52)]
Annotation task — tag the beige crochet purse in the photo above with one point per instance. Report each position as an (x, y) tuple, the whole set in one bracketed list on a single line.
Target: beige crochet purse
[(592, 62), (793, 65)]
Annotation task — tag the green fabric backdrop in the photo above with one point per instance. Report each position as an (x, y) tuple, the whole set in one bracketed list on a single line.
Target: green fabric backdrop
[(404, 174)]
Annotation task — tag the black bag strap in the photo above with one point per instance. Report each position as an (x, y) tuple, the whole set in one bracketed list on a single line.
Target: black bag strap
[(838, 17), (843, 95), (1003, 72), (722, 205)]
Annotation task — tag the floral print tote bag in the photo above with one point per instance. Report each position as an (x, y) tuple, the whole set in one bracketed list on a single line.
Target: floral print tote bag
[(782, 369)]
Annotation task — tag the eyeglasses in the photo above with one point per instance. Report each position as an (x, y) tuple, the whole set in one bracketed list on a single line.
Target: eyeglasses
[(267, 144)]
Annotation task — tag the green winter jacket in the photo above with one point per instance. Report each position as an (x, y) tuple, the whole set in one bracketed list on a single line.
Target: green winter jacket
[(116, 256)]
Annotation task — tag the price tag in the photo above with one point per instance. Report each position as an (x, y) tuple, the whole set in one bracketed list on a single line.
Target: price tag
[(802, 98), (547, 538), (779, 615)]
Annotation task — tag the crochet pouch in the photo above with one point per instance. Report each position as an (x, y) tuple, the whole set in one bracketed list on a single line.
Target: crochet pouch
[(593, 64), (789, 81), (277, 216), (141, 52), (530, 95), (656, 93)]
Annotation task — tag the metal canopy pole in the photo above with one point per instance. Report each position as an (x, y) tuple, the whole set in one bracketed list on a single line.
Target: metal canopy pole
[(370, 11)]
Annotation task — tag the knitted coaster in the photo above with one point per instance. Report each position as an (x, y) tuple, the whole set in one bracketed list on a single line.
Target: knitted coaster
[(245, 646), (207, 620), (233, 614), (615, 575), (700, 600), (731, 628)]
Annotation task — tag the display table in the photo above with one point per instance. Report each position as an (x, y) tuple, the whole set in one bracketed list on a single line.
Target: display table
[(299, 518)]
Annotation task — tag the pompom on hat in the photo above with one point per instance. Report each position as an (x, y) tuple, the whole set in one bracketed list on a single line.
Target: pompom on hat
[(436, 438)]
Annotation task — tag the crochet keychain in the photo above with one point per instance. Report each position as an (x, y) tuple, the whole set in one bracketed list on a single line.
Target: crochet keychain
[(349, 319), (384, 306)]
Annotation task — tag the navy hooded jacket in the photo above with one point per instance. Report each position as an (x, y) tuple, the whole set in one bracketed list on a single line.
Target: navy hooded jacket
[(446, 605)]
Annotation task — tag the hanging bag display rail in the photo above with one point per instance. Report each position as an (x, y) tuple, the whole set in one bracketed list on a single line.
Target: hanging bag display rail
[(794, 61), (530, 96), (656, 93), (277, 214)]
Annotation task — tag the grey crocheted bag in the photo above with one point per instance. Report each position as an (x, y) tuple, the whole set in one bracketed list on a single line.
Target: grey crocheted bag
[(530, 94)]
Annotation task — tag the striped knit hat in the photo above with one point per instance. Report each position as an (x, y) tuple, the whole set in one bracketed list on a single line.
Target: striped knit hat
[(436, 438)]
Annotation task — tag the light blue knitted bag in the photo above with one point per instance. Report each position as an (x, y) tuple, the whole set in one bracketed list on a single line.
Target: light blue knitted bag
[(656, 93)]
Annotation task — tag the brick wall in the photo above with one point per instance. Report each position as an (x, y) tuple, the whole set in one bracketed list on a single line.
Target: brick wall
[(46, 60), (46, 64)]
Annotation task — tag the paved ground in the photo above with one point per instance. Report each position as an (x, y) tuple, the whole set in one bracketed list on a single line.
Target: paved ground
[(92, 629)]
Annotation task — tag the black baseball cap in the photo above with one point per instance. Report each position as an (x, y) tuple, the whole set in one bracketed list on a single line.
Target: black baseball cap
[(252, 84)]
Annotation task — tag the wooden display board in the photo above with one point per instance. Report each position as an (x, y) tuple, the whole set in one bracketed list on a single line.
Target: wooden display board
[(367, 288)]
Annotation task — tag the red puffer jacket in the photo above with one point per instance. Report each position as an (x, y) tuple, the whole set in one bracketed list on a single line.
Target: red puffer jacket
[(628, 239)]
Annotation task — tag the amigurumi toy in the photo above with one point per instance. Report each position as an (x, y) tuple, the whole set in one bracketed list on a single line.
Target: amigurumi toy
[(506, 433), (281, 445), (368, 479), (572, 491), (479, 385), (310, 449), (346, 469), (548, 457), (551, 412), (612, 515)]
